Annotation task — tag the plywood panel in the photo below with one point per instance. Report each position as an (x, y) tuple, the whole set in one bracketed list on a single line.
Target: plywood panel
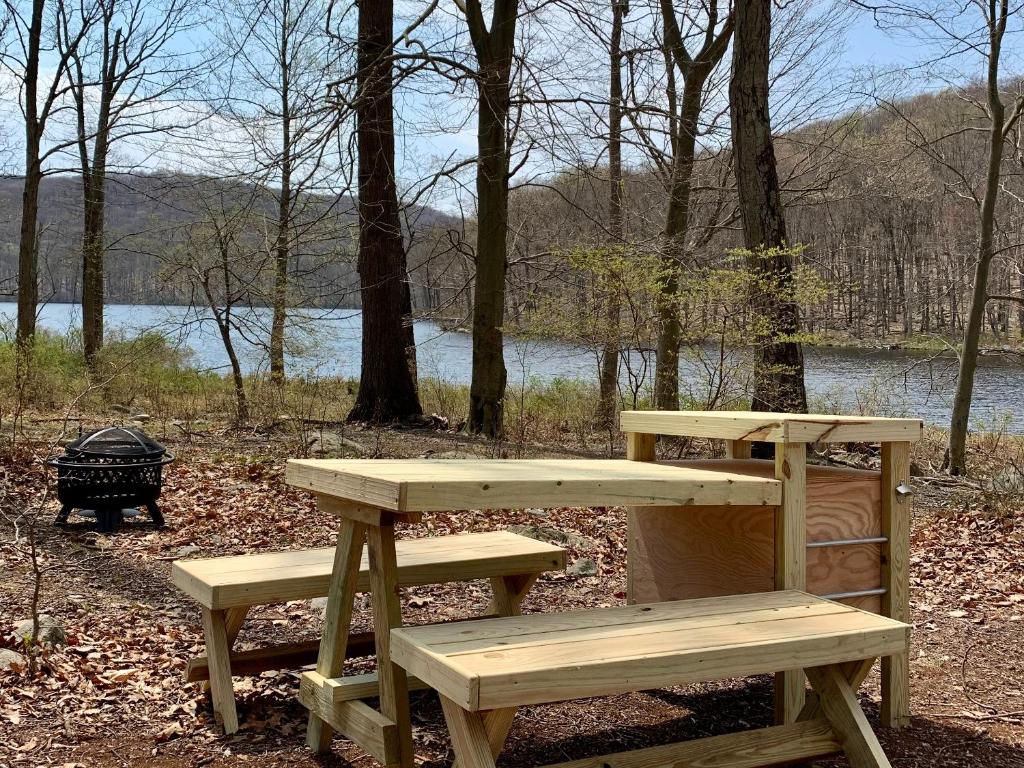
[(680, 553)]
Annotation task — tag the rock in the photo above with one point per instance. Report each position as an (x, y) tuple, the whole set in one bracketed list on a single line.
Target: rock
[(333, 443), (319, 604), (186, 550), (583, 567), (1008, 480), (141, 417), (538, 512), (50, 630), (118, 408), (10, 659)]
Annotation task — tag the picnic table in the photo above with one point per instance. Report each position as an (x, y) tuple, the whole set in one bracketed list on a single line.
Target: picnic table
[(369, 497)]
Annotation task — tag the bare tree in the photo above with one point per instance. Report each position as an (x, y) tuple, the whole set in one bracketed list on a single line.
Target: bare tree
[(38, 30), (119, 77), (273, 93), (609, 365), (695, 69)]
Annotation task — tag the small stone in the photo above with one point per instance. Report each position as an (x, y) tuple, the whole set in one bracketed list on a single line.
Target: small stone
[(50, 631), (538, 512), (186, 550), (141, 417), (583, 567), (118, 408), (10, 659), (319, 604)]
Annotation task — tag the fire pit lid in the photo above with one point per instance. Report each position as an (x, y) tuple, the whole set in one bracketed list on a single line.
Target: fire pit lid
[(113, 442)]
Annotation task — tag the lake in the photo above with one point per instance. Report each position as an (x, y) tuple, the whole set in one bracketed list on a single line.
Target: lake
[(327, 343)]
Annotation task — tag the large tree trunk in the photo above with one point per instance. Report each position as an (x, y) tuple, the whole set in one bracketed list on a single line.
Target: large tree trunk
[(94, 183), (779, 367), (609, 367), (494, 57), (387, 389)]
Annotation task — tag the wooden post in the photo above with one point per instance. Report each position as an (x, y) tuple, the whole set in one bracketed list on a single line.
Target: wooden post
[(790, 560), (640, 446), (337, 619), (218, 652), (737, 449), (387, 615), (896, 515)]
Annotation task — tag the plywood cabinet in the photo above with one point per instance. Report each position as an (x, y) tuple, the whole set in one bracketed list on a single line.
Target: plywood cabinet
[(678, 553)]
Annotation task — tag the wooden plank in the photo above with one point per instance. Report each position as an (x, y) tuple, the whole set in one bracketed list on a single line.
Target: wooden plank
[(337, 621), (363, 513), (748, 749), (640, 446), (664, 615), (368, 728), (719, 661), (790, 561), (218, 650), (841, 708), (469, 736), (274, 577), (737, 449), (387, 615), (896, 517), (772, 427), (438, 485), (279, 656), (353, 687)]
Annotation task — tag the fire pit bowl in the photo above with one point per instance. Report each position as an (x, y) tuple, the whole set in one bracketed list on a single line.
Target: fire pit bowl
[(110, 470)]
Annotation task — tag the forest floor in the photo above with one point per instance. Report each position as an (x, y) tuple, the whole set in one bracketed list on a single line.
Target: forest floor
[(114, 695)]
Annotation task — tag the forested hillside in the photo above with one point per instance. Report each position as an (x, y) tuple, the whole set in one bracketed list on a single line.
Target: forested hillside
[(887, 227), (155, 221)]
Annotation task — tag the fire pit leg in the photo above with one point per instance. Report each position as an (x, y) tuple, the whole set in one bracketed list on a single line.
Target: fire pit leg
[(62, 516), (154, 514), (108, 520)]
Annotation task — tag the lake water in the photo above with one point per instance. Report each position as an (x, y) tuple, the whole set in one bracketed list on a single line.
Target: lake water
[(327, 343)]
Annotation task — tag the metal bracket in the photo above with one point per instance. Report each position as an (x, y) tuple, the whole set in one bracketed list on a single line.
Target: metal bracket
[(902, 491)]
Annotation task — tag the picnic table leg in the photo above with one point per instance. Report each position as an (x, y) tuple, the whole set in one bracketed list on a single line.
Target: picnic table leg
[(469, 735), (508, 593), (840, 706), (337, 619), (790, 560), (896, 512), (218, 654), (233, 620), (387, 615)]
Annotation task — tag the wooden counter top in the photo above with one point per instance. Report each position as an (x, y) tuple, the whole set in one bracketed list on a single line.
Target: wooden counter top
[(772, 427), (425, 485)]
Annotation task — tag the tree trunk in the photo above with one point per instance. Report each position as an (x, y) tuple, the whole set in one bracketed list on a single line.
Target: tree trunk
[(609, 367), (387, 389), (779, 367), (957, 449), (28, 267), (282, 246), (494, 57)]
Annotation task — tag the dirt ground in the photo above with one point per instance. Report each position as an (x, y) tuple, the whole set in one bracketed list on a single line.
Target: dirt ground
[(115, 696)]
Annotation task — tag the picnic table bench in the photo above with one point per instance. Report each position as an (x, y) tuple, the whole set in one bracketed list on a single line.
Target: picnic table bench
[(227, 587), (484, 670)]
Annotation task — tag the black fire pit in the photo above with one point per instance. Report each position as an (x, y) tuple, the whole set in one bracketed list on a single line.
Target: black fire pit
[(108, 471)]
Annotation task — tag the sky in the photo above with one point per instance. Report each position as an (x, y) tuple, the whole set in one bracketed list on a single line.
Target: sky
[(421, 150)]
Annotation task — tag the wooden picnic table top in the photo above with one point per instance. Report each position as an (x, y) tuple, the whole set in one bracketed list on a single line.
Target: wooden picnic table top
[(438, 485), (773, 427)]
